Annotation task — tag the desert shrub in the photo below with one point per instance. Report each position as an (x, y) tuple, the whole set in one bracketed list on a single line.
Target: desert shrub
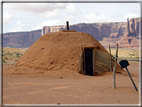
[(4, 61), (137, 57), (16, 59)]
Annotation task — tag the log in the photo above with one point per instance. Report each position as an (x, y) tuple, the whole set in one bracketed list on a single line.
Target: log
[(114, 69)]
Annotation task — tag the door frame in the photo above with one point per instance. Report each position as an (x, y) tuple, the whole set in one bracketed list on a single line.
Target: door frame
[(83, 53)]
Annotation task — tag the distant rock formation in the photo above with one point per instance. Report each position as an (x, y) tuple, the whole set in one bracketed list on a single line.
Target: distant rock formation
[(128, 27), (105, 33), (133, 27), (20, 39), (131, 39), (97, 30)]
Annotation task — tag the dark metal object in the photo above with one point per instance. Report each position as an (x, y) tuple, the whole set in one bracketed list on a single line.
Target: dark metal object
[(67, 25), (124, 64), (132, 79)]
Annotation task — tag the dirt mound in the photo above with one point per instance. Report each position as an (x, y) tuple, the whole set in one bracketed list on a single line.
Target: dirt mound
[(57, 51)]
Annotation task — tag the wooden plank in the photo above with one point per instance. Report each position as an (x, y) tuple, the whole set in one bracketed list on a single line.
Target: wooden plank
[(102, 53), (91, 47), (102, 59), (107, 58), (94, 52), (102, 65), (101, 69), (102, 62)]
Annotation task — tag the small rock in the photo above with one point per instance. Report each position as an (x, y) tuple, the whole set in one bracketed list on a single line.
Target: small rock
[(60, 77)]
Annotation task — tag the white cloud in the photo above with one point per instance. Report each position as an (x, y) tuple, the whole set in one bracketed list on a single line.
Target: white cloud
[(71, 9), (20, 23), (34, 7), (15, 29), (46, 23), (23, 23), (53, 14), (131, 15), (69, 18), (50, 14), (99, 18), (7, 17), (91, 17)]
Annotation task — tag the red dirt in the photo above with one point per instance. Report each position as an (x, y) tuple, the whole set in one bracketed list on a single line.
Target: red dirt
[(73, 88), (48, 74)]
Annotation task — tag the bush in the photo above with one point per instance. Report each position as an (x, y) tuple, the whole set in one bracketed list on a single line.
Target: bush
[(4, 61)]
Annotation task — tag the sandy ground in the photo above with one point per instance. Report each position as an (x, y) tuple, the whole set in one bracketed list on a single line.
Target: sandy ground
[(75, 89)]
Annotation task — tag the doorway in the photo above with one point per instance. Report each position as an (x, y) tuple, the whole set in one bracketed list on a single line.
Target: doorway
[(88, 61)]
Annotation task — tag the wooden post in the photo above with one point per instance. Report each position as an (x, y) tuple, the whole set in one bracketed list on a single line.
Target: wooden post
[(114, 69), (84, 70), (94, 60), (111, 67), (80, 63), (67, 25)]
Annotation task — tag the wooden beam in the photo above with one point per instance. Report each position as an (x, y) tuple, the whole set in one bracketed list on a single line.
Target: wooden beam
[(111, 67), (91, 47), (114, 69), (80, 63), (84, 70), (129, 59)]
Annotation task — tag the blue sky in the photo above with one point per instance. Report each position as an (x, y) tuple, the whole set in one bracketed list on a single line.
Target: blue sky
[(32, 16)]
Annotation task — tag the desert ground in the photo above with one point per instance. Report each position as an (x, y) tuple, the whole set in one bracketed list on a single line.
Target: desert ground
[(73, 88)]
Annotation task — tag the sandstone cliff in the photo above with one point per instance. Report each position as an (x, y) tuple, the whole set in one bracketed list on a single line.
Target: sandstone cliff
[(105, 33), (97, 30), (131, 38), (21, 39)]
